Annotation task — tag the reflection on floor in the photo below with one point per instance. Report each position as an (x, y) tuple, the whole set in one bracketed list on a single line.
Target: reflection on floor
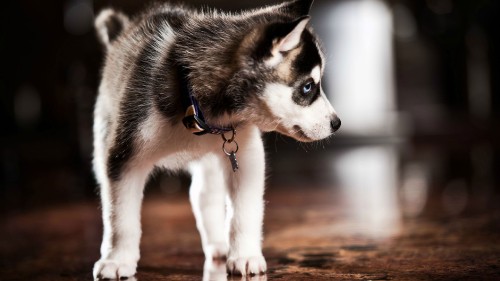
[(309, 235)]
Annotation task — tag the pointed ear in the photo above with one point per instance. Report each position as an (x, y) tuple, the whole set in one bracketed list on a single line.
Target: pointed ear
[(276, 39), (292, 39), (297, 8)]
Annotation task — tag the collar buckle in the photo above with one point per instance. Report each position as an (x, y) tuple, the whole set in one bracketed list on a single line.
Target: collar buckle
[(192, 122)]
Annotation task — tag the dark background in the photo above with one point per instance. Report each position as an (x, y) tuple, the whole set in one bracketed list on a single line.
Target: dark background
[(50, 73)]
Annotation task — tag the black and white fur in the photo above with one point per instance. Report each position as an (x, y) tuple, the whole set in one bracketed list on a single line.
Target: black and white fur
[(257, 71)]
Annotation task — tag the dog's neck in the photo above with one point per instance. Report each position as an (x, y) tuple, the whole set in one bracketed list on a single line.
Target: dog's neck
[(208, 70), (194, 119)]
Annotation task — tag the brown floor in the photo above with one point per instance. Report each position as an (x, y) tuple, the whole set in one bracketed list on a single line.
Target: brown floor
[(308, 236)]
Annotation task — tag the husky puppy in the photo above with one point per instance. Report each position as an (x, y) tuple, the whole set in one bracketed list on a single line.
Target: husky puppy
[(190, 90)]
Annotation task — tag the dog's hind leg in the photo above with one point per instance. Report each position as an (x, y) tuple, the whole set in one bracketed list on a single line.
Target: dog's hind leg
[(207, 195)]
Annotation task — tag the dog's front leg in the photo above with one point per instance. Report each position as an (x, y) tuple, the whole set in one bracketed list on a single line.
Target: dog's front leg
[(246, 193), (121, 208), (208, 195)]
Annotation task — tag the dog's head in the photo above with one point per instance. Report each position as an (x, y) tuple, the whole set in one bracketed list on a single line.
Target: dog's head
[(290, 66)]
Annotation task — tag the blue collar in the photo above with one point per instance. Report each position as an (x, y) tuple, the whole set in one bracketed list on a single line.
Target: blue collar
[(193, 119)]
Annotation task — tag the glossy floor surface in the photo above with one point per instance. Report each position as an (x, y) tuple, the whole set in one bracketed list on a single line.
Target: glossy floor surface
[(308, 236)]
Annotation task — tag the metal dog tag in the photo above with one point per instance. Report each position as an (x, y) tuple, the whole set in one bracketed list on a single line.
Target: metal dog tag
[(232, 154), (234, 162)]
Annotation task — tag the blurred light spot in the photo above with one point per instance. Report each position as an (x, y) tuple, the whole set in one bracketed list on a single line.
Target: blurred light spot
[(478, 73), (405, 27), (440, 7), (414, 190), (368, 177), (78, 17), (455, 197), (27, 106)]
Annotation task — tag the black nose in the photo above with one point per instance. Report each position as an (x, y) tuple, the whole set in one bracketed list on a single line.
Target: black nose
[(335, 124)]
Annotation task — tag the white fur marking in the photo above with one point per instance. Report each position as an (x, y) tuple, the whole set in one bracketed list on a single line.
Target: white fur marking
[(274, 60), (150, 129), (316, 74)]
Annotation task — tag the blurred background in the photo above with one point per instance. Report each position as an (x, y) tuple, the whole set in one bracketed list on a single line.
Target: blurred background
[(416, 84)]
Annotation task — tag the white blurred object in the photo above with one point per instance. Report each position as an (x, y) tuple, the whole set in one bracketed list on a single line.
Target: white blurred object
[(360, 61), (368, 177), (414, 190), (360, 82)]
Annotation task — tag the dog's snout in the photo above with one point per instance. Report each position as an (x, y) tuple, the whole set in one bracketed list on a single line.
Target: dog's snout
[(335, 124)]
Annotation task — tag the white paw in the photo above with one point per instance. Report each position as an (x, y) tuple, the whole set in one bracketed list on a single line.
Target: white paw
[(246, 265), (216, 251), (113, 269), (214, 270)]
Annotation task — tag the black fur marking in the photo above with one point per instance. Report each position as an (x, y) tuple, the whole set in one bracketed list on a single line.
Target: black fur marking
[(167, 79), (167, 94), (309, 57), (133, 111), (234, 96), (114, 27), (306, 60), (315, 93), (175, 17), (222, 103), (298, 8)]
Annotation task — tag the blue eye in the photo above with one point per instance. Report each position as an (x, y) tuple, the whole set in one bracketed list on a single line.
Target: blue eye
[(307, 88)]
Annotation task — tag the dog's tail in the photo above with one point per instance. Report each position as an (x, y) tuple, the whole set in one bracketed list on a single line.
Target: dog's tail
[(109, 25)]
